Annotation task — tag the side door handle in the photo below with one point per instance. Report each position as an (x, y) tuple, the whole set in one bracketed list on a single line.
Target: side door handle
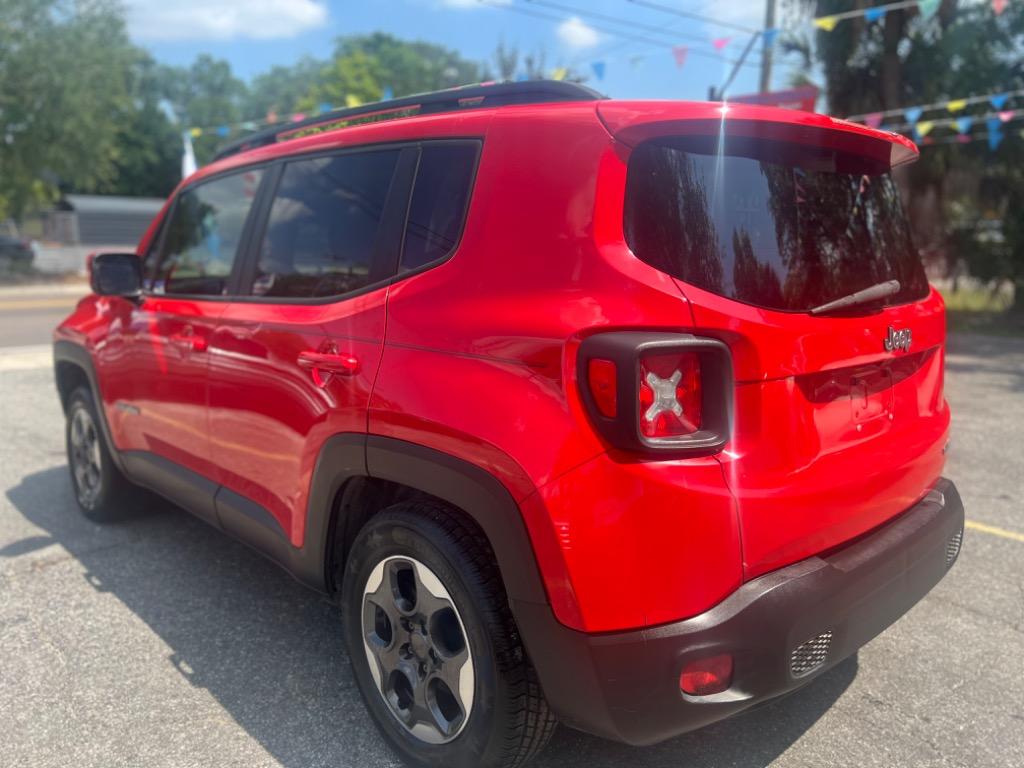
[(323, 366), (188, 340)]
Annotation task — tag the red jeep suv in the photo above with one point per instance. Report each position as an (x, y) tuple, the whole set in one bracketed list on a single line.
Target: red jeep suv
[(624, 414)]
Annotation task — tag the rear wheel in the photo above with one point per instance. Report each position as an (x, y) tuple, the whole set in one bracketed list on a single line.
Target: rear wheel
[(102, 492), (433, 644)]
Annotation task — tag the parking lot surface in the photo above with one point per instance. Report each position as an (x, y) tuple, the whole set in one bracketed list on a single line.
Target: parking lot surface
[(160, 642)]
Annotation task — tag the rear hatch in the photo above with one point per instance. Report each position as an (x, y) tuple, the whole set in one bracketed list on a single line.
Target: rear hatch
[(760, 216)]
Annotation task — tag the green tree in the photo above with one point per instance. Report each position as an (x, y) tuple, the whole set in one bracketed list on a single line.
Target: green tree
[(206, 95), (280, 89), (63, 85)]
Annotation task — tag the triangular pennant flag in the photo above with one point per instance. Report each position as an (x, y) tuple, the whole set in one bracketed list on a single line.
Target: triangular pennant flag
[(963, 124), (271, 116), (559, 73), (827, 23), (998, 6), (223, 130), (196, 132), (387, 94), (913, 114), (873, 120), (874, 14), (323, 107), (957, 105), (249, 125), (999, 100), (298, 116), (928, 7), (721, 42), (352, 101), (994, 124), (769, 36), (679, 53), (522, 77), (1006, 115), (963, 138), (598, 67), (995, 138), (924, 127)]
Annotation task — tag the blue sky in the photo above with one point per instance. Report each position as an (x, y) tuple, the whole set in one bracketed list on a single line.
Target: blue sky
[(254, 35)]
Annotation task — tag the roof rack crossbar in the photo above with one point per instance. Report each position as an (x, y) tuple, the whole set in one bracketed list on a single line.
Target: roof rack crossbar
[(452, 99)]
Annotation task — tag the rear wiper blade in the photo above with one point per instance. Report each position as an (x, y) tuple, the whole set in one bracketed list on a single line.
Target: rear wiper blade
[(875, 292)]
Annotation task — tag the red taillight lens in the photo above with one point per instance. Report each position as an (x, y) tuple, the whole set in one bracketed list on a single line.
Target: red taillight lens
[(704, 677), (670, 394), (601, 379)]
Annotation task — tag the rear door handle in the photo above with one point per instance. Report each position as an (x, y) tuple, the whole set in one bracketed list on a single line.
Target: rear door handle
[(188, 340), (324, 365)]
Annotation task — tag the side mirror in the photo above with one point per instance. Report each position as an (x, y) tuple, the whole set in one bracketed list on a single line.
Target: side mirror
[(116, 274)]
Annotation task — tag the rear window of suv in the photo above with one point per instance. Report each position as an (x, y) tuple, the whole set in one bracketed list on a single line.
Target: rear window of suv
[(773, 225)]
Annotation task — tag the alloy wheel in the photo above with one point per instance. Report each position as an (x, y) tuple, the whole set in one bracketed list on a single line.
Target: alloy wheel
[(86, 461), (417, 649)]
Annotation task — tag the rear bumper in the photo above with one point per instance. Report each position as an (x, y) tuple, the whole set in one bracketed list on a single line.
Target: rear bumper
[(625, 685)]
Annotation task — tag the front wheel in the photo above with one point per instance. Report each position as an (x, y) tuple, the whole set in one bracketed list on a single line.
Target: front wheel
[(433, 644)]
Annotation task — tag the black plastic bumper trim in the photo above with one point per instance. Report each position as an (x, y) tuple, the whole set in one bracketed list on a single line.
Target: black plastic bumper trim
[(625, 686)]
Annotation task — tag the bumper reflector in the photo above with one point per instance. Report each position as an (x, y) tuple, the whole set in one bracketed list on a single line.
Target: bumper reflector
[(703, 677), (810, 655)]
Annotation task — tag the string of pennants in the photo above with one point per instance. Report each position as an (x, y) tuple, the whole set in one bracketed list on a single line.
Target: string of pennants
[(909, 119), (927, 8)]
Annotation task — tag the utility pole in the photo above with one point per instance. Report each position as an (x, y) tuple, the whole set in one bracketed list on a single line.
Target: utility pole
[(766, 50)]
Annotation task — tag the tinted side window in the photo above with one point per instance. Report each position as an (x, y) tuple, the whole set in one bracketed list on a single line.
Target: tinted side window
[(204, 233), (323, 225), (438, 205)]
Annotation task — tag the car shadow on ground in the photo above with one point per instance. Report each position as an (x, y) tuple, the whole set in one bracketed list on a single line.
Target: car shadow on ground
[(270, 652)]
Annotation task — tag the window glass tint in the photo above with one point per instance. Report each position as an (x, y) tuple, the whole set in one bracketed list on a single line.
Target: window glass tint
[(438, 204), (203, 235), (770, 227), (323, 225)]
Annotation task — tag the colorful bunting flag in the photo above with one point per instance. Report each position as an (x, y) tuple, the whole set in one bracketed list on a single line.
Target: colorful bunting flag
[(271, 116), (248, 125), (999, 100), (995, 138), (559, 73), (598, 67), (963, 138), (873, 120), (298, 116), (388, 94), (351, 101), (196, 132), (323, 107), (957, 105), (994, 124), (928, 7), (679, 53), (998, 6), (963, 124), (913, 114), (827, 23), (924, 127), (874, 14), (1006, 115), (769, 36), (223, 130), (721, 42)]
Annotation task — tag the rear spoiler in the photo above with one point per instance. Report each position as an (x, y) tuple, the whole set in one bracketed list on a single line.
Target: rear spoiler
[(633, 122)]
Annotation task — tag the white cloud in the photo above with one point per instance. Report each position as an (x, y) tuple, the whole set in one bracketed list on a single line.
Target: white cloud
[(473, 3), (576, 33), (222, 19)]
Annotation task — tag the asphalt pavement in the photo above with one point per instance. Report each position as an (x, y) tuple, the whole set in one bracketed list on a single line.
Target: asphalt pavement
[(160, 642)]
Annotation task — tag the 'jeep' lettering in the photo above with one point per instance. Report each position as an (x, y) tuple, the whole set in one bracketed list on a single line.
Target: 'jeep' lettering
[(898, 339)]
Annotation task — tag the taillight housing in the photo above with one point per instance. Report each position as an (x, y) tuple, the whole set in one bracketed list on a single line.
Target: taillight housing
[(658, 393)]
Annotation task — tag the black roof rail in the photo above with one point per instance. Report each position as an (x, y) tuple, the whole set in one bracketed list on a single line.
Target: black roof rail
[(452, 99)]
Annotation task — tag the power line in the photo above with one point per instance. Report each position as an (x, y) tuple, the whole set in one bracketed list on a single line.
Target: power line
[(614, 32), (696, 16)]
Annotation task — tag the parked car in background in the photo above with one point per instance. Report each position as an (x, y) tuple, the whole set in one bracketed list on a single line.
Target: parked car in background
[(15, 252), (623, 414)]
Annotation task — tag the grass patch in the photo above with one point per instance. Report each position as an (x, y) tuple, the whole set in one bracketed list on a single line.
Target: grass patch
[(978, 309)]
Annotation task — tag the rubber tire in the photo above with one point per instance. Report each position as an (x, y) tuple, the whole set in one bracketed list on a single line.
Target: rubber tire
[(510, 721), (118, 497)]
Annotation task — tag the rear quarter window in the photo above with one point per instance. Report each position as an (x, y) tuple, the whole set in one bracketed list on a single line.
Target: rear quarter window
[(777, 226)]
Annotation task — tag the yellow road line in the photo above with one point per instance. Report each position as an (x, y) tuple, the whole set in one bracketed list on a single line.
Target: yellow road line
[(14, 306), (1002, 532)]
